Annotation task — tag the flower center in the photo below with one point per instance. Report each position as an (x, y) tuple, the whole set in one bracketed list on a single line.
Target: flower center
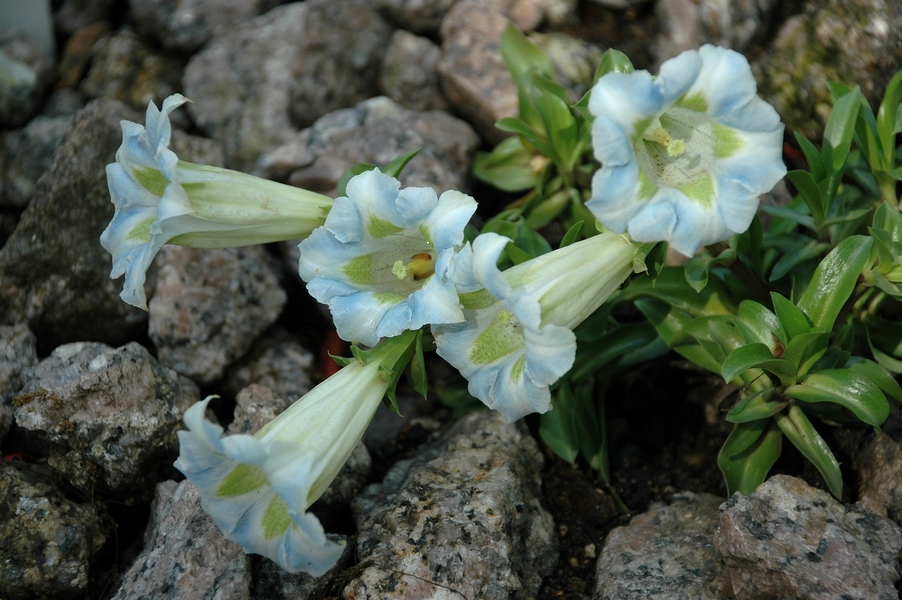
[(677, 149), (421, 266)]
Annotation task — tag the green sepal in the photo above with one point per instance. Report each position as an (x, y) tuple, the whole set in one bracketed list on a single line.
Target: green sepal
[(748, 454), (392, 355), (799, 430), (397, 165), (845, 388), (574, 234)]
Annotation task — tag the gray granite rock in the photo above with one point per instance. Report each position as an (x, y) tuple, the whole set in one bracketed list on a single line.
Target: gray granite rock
[(574, 60), (104, 417), (27, 73), (849, 41), (54, 275), (789, 540), (281, 71), (377, 131), (18, 350), (210, 306), (877, 459), (186, 25), (125, 67), (78, 52), (475, 79), (425, 16), (344, 43), (185, 556), (277, 362), (47, 541), (666, 553), (417, 16), (736, 24), (24, 156), (409, 75), (463, 518), (619, 4)]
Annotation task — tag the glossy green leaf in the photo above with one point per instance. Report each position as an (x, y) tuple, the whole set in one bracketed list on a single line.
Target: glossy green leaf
[(799, 430), (699, 267), (573, 235), (887, 117), (753, 407), (748, 454), (671, 286), (813, 156), (613, 61), (805, 349), (529, 133), (889, 219), (808, 188), (840, 128), (880, 377), (397, 165), (795, 256), (834, 281), (758, 324), (593, 356), (756, 355), (846, 388), (669, 323), (793, 321)]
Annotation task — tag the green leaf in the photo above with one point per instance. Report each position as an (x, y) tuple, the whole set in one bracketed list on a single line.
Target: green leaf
[(593, 356), (889, 219), (397, 165), (508, 166), (813, 156), (558, 426), (795, 256), (671, 286), (793, 321), (880, 377), (574, 234), (416, 370), (758, 324), (758, 356), (613, 61), (748, 454), (840, 128), (887, 117), (669, 324), (699, 267), (847, 389), (834, 281), (341, 187), (805, 349), (530, 134), (753, 407), (799, 430), (808, 188)]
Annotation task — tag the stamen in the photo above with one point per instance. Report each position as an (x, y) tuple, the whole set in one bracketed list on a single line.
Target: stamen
[(399, 269), (421, 266)]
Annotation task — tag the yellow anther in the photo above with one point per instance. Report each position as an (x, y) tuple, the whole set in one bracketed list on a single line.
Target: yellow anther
[(421, 266)]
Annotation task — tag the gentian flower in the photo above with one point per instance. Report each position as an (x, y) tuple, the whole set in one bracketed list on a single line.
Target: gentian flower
[(160, 199), (517, 338), (257, 488), (685, 155), (375, 260)]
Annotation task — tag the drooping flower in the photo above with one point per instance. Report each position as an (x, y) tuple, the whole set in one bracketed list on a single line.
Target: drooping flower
[(375, 259), (257, 488), (517, 339), (160, 199), (685, 155)]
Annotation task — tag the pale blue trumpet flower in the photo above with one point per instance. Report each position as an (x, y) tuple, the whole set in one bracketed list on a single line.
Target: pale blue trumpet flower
[(257, 488), (685, 155), (378, 261), (160, 199), (517, 338)]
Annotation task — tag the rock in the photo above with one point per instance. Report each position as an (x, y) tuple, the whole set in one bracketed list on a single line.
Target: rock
[(853, 42), (27, 73), (124, 67), (344, 43), (282, 365), (409, 75), (54, 275), (665, 553), (210, 306), (272, 583), (185, 556), (789, 540), (255, 406), (104, 417), (72, 15), (619, 4), (736, 24), (18, 350), (417, 16), (24, 156), (475, 79), (574, 60), (47, 541), (253, 88), (186, 25), (463, 517), (76, 58), (377, 131), (877, 461), (425, 16)]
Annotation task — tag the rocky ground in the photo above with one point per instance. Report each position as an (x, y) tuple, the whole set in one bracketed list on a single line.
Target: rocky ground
[(92, 391)]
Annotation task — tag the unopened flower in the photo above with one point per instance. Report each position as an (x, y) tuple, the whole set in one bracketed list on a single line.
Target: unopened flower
[(517, 339), (685, 155), (160, 199), (374, 262), (257, 488)]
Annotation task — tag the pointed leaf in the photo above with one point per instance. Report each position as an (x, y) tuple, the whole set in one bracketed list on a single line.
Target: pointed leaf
[(758, 356), (847, 389), (753, 407), (748, 455), (793, 320), (834, 281), (799, 430)]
